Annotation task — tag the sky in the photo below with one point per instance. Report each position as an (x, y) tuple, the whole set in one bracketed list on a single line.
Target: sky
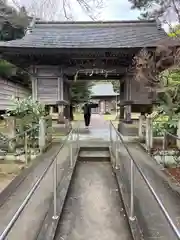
[(119, 9), (112, 10)]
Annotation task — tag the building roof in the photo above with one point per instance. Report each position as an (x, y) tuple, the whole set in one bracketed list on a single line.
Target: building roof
[(119, 34), (103, 89)]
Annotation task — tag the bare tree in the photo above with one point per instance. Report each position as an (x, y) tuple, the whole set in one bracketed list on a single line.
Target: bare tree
[(149, 66), (60, 9)]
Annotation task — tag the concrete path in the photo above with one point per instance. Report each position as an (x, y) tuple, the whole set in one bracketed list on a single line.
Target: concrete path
[(98, 129), (93, 209)]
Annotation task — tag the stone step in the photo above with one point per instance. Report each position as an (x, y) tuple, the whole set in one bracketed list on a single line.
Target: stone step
[(95, 148), (94, 156)]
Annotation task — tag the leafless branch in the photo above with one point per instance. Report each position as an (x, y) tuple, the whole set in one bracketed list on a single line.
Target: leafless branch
[(57, 10)]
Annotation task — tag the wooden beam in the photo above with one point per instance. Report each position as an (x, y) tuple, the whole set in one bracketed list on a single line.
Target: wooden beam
[(113, 70), (106, 52)]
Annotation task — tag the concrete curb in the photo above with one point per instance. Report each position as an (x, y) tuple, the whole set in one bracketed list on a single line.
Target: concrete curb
[(175, 187), (14, 184), (49, 225), (134, 225)]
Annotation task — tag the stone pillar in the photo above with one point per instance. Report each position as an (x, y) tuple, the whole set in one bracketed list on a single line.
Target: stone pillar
[(100, 106), (140, 128), (104, 106), (42, 134), (178, 135), (51, 110), (128, 114), (149, 133), (11, 126)]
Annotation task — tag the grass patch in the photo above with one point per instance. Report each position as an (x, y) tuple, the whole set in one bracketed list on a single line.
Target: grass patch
[(3, 127), (111, 117), (78, 117), (8, 171)]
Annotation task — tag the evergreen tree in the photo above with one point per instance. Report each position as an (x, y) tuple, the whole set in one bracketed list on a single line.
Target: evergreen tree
[(162, 9), (80, 91)]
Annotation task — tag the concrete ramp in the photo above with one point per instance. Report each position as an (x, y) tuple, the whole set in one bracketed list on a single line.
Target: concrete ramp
[(93, 209)]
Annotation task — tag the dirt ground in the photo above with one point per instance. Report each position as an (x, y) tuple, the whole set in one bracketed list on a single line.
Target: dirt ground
[(8, 171), (173, 173)]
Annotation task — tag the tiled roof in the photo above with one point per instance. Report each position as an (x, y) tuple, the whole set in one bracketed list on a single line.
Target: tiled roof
[(121, 34), (103, 89)]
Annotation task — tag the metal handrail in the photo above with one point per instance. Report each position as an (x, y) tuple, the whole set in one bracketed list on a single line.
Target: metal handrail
[(28, 197), (160, 204), (170, 134)]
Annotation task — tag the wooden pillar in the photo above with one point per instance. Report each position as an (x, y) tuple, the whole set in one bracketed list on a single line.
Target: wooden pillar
[(67, 96), (128, 101), (60, 94), (121, 116), (34, 84), (66, 92)]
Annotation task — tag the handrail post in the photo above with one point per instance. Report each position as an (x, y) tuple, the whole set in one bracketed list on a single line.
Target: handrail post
[(132, 217), (78, 137), (26, 147), (164, 147), (70, 150), (116, 152), (55, 216), (110, 132)]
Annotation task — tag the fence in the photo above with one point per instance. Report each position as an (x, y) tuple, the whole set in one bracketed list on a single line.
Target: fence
[(26, 145), (146, 131), (130, 172), (72, 142), (45, 132), (151, 131), (167, 152), (23, 147)]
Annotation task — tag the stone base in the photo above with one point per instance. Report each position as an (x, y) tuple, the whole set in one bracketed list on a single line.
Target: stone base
[(62, 103), (61, 119), (128, 122), (128, 129)]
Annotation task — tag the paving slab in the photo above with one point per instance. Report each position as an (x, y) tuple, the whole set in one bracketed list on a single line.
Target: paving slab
[(93, 209)]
